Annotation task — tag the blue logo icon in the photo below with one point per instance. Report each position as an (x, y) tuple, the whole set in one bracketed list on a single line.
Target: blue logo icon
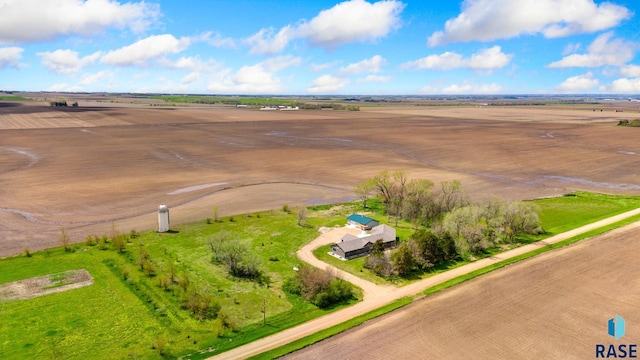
[(616, 327)]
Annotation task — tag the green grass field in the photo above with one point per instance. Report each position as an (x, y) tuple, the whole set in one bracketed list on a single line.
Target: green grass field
[(228, 100), (119, 318), (13, 98)]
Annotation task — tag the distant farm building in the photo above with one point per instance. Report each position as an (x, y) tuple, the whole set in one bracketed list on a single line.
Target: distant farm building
[(351, 246), (361, 222)]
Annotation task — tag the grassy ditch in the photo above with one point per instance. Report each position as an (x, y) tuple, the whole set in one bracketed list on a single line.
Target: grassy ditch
[(334, 330)]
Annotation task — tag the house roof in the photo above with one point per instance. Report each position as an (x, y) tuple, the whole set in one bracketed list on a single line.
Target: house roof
[(383, 232), (360, 219)]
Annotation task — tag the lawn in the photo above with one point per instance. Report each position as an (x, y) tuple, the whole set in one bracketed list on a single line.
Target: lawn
[(120, 318)]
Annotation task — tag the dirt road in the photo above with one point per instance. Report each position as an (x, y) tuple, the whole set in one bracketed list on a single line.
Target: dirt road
[(373, 299)]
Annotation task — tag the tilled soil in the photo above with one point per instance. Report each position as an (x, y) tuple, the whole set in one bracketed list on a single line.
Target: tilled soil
[(99, 164)]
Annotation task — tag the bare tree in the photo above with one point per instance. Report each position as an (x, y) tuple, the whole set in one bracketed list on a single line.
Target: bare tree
[(383, 185), (399, 185), (302, 216), (64, 238), (364, 191), (452, 195)]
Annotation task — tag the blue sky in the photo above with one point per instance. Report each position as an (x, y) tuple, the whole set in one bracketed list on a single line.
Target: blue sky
[(354, 47)]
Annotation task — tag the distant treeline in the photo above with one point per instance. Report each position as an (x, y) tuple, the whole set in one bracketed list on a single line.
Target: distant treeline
[(632, 123), (253, 101)]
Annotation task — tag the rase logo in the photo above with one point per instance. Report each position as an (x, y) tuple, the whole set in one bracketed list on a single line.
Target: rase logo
[(616, 328)]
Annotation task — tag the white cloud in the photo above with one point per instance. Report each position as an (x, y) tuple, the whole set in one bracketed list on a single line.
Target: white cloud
[(66, 61), (281, 62), (142, 51), (630, 71), (578, 83), (325, 66), (253, 79), (10, 57), (88, 79), (464, 88), (486, 59), (602, 51), (372, 65), (191, 63), (64, 87), (36, 20), (487, 20), (327, 84), (571, 48), (191, 78), (266, 42), (216, 40), (374, 78), (347, 22), (623, 86), (445, 61), (249, 80)]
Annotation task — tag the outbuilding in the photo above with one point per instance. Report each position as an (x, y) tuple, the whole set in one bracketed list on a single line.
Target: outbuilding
[(361, 222)]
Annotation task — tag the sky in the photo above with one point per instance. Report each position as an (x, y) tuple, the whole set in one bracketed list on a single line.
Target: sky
[(355, 47)]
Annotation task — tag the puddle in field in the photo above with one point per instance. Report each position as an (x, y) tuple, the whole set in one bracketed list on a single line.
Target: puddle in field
[(286, 135), (628, 152), (582, 181), (196, 188)]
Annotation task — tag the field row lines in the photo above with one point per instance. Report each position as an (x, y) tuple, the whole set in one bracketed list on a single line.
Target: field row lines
[(40, 121)]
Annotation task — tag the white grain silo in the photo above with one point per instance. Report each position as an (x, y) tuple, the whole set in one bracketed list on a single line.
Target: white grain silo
[(163, 218)]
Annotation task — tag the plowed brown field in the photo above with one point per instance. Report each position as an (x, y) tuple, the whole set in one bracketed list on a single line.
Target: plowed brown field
[(84, 168)]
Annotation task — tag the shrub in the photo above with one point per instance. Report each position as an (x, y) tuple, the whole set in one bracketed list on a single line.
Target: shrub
[(319, 287), (27, 252), (235, 255), (91, 240), (201, 305)]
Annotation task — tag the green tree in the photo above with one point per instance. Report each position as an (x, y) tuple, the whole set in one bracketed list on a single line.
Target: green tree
[(418, 201), (377, 248), (402, 259), (519, 218)]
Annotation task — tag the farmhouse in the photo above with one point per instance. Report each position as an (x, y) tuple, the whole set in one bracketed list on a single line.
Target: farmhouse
[(351, 246), (361, 222)]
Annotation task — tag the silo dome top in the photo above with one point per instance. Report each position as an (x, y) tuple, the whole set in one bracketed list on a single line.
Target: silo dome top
[(163, 208)]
